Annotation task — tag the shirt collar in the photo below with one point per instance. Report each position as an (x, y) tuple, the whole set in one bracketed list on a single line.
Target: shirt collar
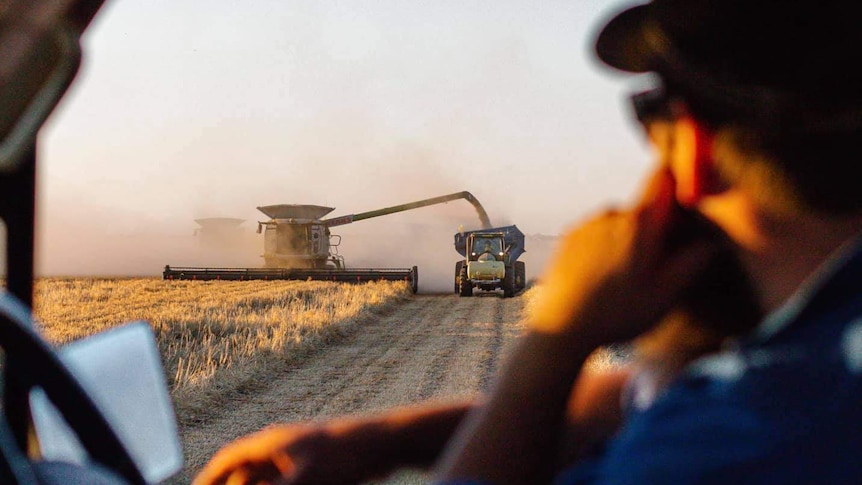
[(781, 317)]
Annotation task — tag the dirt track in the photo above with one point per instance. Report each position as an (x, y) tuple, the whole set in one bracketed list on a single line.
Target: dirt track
[(432, 346)]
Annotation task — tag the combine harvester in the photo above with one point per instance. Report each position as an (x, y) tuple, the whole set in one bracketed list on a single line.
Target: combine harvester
[(298, 245)]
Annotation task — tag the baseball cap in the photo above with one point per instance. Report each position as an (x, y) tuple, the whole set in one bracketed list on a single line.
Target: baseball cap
[(761, 58)]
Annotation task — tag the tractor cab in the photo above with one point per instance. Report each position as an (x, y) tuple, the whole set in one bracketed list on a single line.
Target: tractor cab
[(486, 259), (486, 247)]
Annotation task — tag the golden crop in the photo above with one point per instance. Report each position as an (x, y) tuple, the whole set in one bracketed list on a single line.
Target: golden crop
[(216, 338)]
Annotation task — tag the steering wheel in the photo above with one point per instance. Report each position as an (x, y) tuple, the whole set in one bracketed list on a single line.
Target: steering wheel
[(38, 365)]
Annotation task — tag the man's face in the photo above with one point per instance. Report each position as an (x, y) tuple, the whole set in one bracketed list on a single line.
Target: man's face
[(723, 297), (674, 138)]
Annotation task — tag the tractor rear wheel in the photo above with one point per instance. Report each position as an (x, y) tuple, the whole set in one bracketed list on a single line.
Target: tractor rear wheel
[(414, 285), (465, 288), (458, 266), (509, 289)]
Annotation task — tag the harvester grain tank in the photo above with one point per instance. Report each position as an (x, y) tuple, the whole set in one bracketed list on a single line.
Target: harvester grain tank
[(490, 261), (298, 244)]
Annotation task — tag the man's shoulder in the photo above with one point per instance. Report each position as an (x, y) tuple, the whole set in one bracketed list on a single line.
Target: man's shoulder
[(777, 411), (817, 351), (756, 417), (801, 371)]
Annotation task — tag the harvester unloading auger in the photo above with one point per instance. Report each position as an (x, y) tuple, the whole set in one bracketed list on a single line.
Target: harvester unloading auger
[(298, 245)]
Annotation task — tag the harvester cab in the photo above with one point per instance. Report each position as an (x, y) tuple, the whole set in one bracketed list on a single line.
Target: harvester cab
[(296, 237), (490, 261)]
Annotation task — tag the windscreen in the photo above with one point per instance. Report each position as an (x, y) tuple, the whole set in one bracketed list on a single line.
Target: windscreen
[(489, 245), (293, 239)]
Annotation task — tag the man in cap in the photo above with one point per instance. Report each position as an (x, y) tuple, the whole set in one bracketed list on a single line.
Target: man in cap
[(762, 110), (756, 119)]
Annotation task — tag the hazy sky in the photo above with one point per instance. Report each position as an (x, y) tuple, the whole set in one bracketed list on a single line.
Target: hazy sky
[(209, 108)]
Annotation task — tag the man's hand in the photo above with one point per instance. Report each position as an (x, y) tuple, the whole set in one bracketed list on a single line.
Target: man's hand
[(339, 451), (613, 277), (289, 454)]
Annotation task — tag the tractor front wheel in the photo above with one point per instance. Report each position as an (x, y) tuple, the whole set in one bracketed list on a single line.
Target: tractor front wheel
[(465, 288)]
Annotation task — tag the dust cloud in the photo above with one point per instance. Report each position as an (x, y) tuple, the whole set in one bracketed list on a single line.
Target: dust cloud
[(207, 120), (101, 243), (136, 227)]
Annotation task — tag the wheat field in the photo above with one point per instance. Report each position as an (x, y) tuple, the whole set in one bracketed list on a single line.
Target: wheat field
[(216, 338)]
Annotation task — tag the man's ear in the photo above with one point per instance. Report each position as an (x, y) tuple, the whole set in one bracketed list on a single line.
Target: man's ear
[(692, 161)]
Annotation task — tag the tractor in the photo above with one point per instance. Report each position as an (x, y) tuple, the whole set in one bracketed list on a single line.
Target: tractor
[(490, 261)]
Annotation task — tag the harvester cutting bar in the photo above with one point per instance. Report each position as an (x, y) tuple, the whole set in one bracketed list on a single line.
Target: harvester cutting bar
[(353, 275)]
